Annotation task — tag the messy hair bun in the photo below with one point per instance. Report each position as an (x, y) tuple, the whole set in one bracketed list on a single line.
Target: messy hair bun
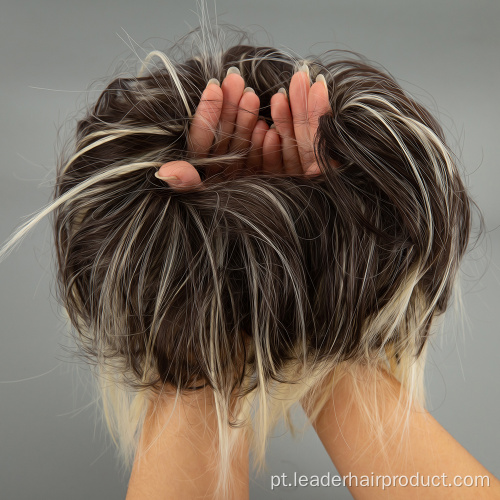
[(262, 285)]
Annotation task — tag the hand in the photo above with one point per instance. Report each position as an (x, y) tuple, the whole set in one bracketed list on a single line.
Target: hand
[(237, 109), (287, 148), (297, 127)]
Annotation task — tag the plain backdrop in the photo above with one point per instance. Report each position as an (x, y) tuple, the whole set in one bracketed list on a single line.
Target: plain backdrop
[(445, 53)]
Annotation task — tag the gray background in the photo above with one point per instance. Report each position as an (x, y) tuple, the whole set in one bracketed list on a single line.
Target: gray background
[(444, 52)]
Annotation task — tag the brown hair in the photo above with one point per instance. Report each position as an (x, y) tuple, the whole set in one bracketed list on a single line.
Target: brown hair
[(255, 283)]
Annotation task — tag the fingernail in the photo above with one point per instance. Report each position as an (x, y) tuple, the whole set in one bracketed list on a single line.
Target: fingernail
[(305, 69), (249, 89), (233, 69), (282, 90), (213, 80), (321, 78), (172, 179), (272, 126)]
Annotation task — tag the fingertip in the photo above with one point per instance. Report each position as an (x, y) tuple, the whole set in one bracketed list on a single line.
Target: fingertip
[(213, 92), (258, 135), (254, 161), (272, 140), (318, 103), (321, 79), (209, 108), (313, 170), (300, 78), (279, 95), (260, 129), (233, 70), (165, 177), (179, 174), (173, 167), (272, 133), (271, 152), (213, 81), (319, 91), (205, 119), (282, 90), (279, 100), (299, 96), (250, 100), (233, 79)]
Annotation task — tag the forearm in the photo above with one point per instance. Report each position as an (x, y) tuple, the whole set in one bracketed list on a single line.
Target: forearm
[(180, 463), (427, 449)]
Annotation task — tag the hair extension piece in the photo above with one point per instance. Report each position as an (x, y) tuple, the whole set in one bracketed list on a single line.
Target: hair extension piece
[(267, 288)]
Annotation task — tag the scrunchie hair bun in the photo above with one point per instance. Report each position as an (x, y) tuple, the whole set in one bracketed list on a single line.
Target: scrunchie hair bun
[(266, 288)]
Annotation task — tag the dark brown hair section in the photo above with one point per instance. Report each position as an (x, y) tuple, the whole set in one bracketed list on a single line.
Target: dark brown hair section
[(286, 266)]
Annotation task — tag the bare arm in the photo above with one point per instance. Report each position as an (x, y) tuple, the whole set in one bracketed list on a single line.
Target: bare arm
[(431, 450), (180, 463)]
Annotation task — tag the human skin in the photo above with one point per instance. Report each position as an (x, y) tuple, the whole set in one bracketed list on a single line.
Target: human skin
[(287, 148), (178, 465), (177, 452), (429, 449)]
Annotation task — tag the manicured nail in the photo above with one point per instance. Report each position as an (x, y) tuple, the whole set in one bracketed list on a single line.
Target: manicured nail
[(172, 179), (249, 89), (305, 69), (213, 80), (321, 78), (233, 69), (282, 90)]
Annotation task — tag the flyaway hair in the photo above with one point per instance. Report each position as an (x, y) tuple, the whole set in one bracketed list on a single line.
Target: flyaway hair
[(267, 288)]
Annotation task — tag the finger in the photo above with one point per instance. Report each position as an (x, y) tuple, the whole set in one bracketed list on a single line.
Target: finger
[(254, 160), (282, 118), (179, 175), (248, 114), (313, 169), (299, 91), (318, 105), (271, 152), (232, 89), (205, 120)]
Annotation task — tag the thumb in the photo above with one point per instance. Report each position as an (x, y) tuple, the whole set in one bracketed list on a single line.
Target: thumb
[(179, 175)]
